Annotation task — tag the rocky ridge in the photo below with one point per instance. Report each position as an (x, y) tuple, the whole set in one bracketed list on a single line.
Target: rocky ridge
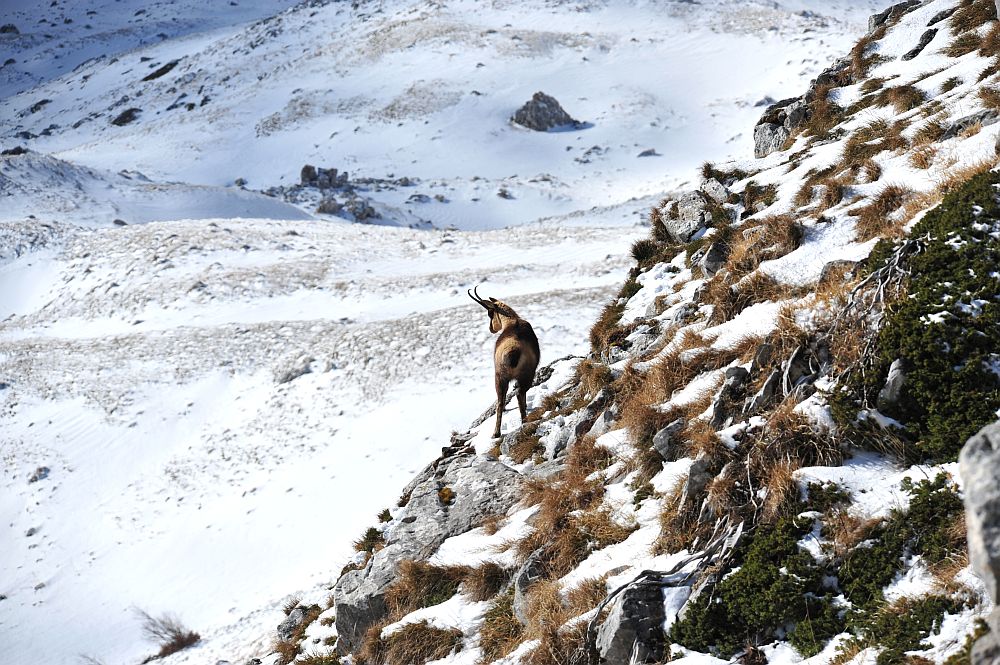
[(749, 464)]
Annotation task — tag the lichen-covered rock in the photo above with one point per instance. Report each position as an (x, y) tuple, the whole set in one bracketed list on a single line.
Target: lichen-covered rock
[(983, 118), (286, 629), (690, 216), (543, 113), (715, 190), (482, 487)]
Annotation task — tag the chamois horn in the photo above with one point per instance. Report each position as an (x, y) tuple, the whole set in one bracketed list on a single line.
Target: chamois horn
[(478, 299)]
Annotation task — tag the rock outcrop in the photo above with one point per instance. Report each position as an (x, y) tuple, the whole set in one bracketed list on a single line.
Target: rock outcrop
[(481, 487), (543, 113), (979, 464), (777, 125)]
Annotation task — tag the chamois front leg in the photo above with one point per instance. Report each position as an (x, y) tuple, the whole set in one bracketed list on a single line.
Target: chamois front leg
[(501, 400)]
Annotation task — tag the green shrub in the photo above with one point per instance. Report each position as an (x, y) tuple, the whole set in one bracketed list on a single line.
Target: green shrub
[(904, 626), (776, 585), (947, 331), (924, 528)]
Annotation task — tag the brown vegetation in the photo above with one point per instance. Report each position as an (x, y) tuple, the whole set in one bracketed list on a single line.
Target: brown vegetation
[(874, 219)]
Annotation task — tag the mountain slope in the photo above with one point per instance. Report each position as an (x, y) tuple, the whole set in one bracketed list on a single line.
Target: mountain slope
[(768, 419)]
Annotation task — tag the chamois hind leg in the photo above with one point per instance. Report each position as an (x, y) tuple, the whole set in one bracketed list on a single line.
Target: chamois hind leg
[(502, 385), (522, 400)]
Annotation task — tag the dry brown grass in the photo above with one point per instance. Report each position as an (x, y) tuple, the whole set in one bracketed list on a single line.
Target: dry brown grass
[(902, 98), (167, 632), (956, 177), (419, 643), (871, 139), (372, 649), (929, 132), (485, 580), (923, 158), (593, 376), (845, 531), (867, 171), (420, 584), (586, 595), (873, 84), (990, 97), (526, 443), (990, 45), (825, 113), (782, 490), (950, 84), (862, 59), (962, 45), (561, 646), (493, 523), (791, 438), (756, 288), (971, 130), (971, 14), (543, 608), (679, 526), (874, 219), (770, 238), (500, 632), (588, 457)]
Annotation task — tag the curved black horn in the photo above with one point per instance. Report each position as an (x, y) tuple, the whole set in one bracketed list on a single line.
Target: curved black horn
[(477, 298)]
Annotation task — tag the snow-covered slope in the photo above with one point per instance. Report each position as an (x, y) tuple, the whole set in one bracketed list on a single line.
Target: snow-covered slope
[(145, 365), (755, 460)]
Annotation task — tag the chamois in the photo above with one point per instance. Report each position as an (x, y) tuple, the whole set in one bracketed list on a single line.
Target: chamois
[(516, 354)]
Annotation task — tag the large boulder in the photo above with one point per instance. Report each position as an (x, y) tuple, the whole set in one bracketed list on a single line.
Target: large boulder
[(481, 487), (543, 113), (633, 631), (777, 125), (979, 464)]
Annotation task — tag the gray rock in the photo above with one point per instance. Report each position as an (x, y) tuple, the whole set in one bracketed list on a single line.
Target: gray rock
[(649, 152), (893, 388), (925, 39), (979, 466), (777, 124), (633, 631), (286, 629), (761, 358), (126, 117), (482, 487), (985, 118), (360, 209), (876, 21), (9, 29), (663, 438), (529, 573), (714, 258), (543, 113), (692, 216), (942, 15), (41, 473), (684, 313), (715, 190), (698, 478), (765, 396), (329, 206), (588, 414), (729, 394)]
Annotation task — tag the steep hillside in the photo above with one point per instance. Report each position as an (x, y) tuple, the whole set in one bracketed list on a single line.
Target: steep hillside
[(757, 458)]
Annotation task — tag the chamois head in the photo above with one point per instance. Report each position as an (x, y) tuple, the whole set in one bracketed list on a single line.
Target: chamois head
[(500, 313)]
